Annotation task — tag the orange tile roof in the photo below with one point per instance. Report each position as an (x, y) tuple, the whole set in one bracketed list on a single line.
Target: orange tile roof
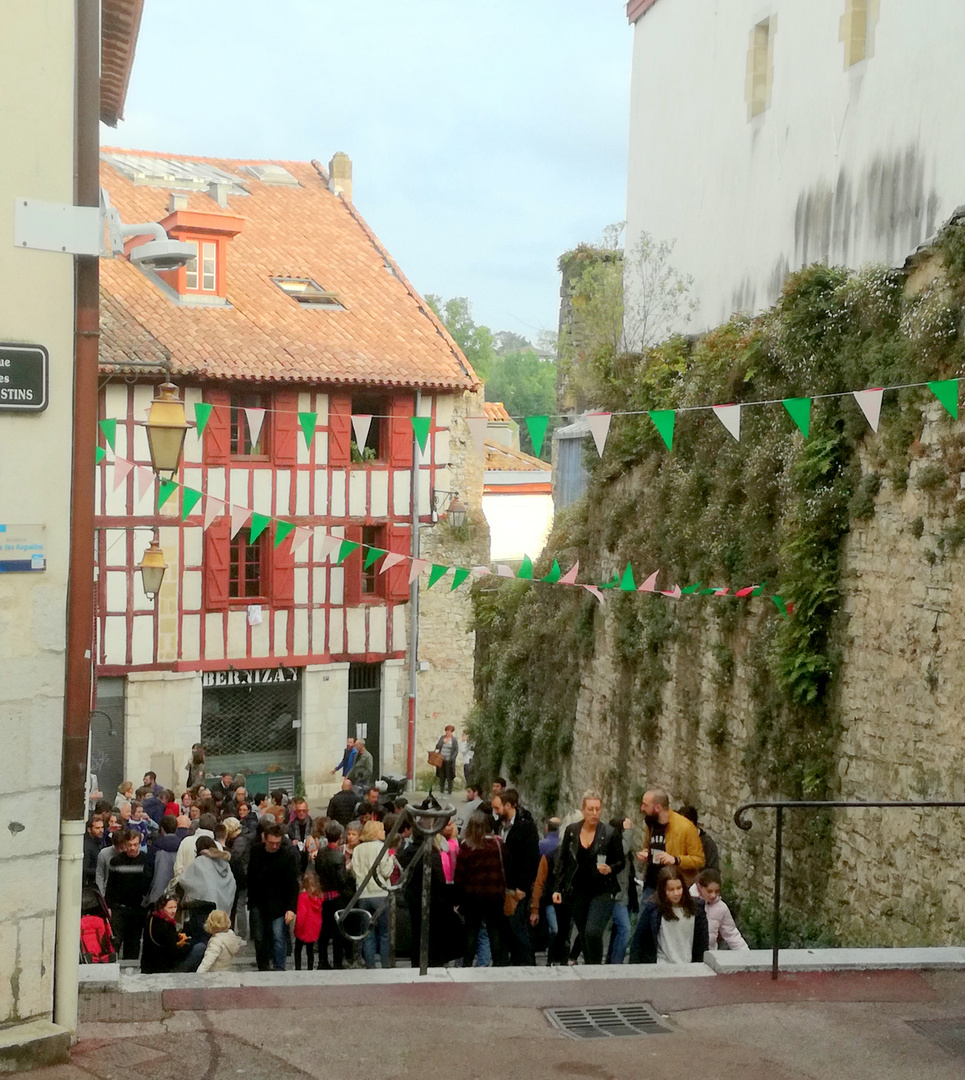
[(495, 410), (387, 336), (120, 23), (501, 458)]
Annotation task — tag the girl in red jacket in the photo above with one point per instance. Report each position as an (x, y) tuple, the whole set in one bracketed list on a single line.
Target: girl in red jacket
[(308, 919)]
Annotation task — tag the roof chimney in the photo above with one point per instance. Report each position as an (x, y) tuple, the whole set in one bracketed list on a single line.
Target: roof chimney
[(218, 192), (178, 201), (340, 176)]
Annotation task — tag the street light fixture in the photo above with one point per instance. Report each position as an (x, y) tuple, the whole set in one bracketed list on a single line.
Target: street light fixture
[(166, 428), (152, 569), (456, 515)]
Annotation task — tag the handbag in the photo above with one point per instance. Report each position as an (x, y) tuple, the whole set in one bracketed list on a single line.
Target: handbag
[(436, 760)]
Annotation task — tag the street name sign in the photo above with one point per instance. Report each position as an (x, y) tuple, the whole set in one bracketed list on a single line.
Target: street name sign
[(23, 378)]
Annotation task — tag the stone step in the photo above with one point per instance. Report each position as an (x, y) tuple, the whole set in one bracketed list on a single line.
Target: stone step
[(33, 1045)]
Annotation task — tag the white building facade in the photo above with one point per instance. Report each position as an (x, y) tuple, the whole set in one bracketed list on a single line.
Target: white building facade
[(767, 136)]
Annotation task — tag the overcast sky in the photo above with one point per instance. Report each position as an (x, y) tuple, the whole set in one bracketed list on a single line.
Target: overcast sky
[(487, 137)]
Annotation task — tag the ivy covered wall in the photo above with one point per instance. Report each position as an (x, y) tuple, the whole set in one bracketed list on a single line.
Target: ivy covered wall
[(723, 700)]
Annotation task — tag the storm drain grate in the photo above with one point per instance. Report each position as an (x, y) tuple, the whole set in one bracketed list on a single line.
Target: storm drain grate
[(948, 1034), (604, 1021)]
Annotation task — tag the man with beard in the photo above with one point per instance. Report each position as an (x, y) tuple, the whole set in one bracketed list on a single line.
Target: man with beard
[(670, 840)]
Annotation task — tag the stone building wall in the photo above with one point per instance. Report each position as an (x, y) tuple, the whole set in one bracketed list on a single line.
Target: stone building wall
[(900, 699)]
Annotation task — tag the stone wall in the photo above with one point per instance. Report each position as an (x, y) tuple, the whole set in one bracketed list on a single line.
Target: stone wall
[(899, 700)]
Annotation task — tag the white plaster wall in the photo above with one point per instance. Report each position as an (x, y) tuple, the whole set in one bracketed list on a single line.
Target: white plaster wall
[(36, 134), (324, 727), (518, 524), (163, 721), (846, 166)]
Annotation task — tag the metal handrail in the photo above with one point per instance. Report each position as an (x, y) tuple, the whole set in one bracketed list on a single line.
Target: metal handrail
[(742, 822), (427, 822)]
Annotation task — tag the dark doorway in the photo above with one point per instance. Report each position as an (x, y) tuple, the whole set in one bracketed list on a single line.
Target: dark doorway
[(365, 707), (107, 738)]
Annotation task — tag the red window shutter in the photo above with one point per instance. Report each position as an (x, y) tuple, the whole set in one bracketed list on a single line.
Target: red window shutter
[(339, 429), (285, 429), (398, 539), (400, 432), (217, 559), (217, 431), (283, 575), (353, 568)]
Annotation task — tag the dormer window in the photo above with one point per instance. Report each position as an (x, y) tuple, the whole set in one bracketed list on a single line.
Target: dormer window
[(309, 293), (201, 273)]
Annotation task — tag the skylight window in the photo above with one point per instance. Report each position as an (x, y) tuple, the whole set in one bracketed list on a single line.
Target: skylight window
[(309, 293)]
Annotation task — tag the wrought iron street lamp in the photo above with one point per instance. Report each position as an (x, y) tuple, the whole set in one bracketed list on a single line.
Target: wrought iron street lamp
[(456, 514), (166, 428)]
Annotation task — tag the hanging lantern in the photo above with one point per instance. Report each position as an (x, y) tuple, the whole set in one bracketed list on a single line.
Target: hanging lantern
[(456, 514), (152, 569), (166, 428)]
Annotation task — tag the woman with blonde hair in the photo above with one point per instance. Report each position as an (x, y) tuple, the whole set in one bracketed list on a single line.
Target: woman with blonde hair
[(125, 795), (223, 942), (373, 894)]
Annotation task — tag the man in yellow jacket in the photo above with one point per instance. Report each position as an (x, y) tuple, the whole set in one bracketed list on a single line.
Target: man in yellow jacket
[(670, 840)]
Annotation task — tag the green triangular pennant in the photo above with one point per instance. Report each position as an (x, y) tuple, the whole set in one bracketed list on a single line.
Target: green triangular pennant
[(421, 425), (373, 555), (435, 573), (799, 409), (348, 546), (691, 589), (536, 426), (165, 491), (308, 421), (946, 391), (99, 454), (202, 413), (109, 427), (283, 529), (525, 570), (663, 421), (189, 500), (626, 582), (460, 575), (259, 522), (779, 602), (555, 574), (611, 584), (759, 589)]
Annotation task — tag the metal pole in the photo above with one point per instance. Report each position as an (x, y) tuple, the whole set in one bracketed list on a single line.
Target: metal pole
[(426, 897), (776, 928), (78, 674), (414, 603), (392, 928)]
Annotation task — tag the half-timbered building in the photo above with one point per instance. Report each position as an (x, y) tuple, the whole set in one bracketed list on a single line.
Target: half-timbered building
[(295, 325)]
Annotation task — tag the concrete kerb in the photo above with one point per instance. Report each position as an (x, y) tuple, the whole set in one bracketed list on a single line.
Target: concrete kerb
[(32, 1045), (950, 958)]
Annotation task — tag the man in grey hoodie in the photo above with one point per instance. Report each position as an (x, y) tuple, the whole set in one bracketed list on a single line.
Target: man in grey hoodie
[(207, 884)]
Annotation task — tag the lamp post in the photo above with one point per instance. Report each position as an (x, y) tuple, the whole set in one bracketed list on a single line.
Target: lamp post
[(152, 567), (166, 428), (456, 514)]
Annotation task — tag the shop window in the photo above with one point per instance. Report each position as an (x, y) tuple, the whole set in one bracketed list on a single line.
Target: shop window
[(760, 67)]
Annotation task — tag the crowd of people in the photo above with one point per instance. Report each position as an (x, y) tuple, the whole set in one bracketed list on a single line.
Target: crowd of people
[(180, 883)]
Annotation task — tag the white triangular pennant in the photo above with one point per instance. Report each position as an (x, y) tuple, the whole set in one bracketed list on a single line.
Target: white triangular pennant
[(599, 423), (213, 508), (569, 578), (327, 545), (478, 426), (418, 565), (392, 559), (869, 402), (482, 571), (122, 469), (595, 591), (650, 585), (255, 418), (674, 593), (300, 538), (502, 570), (239, 515), (145, 480), (361, 425), (730, 417)]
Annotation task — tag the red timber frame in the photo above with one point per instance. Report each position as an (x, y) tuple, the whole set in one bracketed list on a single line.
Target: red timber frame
[(394, 531)]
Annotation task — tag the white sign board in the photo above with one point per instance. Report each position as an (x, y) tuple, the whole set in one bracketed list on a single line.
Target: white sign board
[(23, 548)]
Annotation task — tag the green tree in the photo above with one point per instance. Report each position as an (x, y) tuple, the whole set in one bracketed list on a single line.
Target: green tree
[(475, 341)]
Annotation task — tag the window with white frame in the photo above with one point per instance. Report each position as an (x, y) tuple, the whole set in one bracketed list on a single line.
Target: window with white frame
[(201, 272)]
